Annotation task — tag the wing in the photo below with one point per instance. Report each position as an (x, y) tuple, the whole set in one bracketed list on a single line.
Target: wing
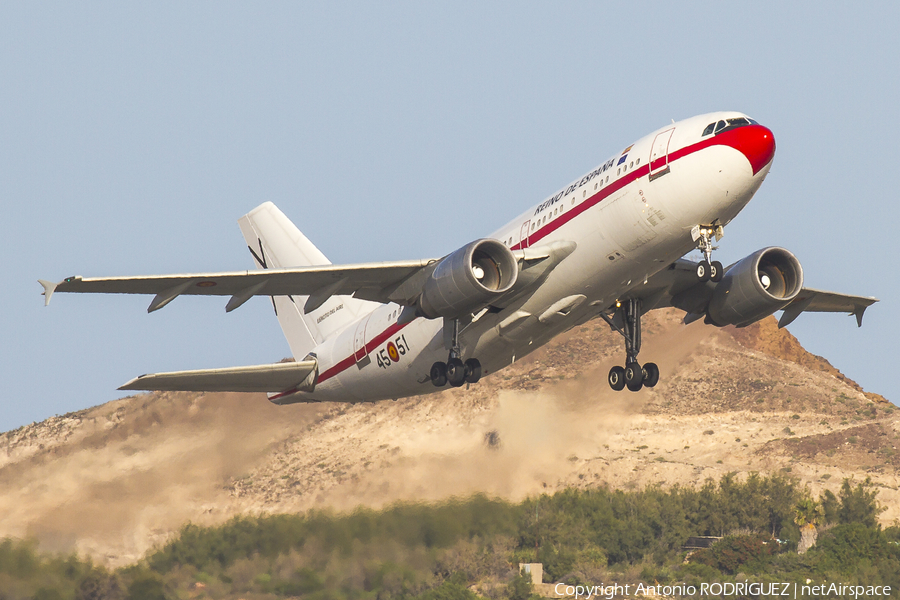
[(677, 286), (810, 300), (381, 282), (277, 377), (399, 281)]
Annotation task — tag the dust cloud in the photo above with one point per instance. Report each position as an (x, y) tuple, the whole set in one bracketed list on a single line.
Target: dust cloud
[(542, 438), (537, 433), (136, 477)]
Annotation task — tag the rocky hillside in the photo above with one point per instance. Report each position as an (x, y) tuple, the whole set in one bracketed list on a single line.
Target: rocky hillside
[(114, 480)]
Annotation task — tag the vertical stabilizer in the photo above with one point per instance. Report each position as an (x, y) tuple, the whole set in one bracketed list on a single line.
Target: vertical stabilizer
[(276, 243)]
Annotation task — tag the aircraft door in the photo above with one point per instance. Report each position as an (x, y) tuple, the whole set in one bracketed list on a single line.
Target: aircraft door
[(523, 237), (359, 343), (659, 154)]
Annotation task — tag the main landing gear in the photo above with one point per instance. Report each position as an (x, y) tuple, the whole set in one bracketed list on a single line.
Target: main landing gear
[(708, 270), (633, 375), (455, 371)]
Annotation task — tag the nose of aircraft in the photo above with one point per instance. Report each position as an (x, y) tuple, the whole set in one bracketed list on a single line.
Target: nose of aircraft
[(756, 143)]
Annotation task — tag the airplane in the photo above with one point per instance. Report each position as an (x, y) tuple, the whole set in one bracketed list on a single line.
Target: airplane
[(609, 245)]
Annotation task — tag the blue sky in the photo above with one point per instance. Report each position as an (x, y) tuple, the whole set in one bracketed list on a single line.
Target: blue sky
[(134, 135)]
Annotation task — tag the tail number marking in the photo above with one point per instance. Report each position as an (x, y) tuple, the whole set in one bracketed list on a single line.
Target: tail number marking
[(392, 352)]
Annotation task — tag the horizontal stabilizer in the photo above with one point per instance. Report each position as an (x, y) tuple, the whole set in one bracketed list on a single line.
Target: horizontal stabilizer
[(276, 377)]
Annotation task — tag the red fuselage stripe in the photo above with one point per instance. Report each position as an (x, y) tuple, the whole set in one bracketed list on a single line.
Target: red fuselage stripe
[(730, 138), (369, 348)]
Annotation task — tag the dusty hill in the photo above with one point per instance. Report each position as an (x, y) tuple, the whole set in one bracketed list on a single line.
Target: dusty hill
[(114, 480)]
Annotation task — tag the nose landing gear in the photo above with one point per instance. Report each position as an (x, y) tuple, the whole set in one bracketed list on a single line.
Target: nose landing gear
[(708, 270), (455, 371), (632, 375)]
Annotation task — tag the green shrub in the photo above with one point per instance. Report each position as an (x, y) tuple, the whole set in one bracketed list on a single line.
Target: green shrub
[(738, 552)]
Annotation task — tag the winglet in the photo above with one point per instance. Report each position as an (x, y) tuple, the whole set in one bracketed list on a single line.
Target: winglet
[(49, 288)]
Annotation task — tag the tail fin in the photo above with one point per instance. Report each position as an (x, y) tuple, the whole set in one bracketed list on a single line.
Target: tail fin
[(276, 243)]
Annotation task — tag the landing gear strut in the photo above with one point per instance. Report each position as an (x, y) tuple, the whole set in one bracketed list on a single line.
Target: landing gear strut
[(708, 270), (632, 375), (455, 371)]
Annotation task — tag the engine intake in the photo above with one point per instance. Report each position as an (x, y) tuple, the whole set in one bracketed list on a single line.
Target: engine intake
[(468, 279), (755, 287)]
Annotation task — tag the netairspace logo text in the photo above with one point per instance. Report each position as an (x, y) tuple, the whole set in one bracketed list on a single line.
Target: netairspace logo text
[(745, 588)]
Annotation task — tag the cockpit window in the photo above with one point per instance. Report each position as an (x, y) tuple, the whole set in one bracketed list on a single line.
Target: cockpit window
[(725, 125)]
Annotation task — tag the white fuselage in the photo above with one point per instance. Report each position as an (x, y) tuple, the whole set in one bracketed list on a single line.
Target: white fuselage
[(629, 218)]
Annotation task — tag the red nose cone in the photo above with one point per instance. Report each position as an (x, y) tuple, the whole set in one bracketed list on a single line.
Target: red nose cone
[(756, 143)]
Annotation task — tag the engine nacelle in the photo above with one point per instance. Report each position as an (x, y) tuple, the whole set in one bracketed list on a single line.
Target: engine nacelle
[(468, 279), (756, 287)]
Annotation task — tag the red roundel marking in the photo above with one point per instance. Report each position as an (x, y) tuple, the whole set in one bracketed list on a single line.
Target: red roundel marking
[(392, 352)]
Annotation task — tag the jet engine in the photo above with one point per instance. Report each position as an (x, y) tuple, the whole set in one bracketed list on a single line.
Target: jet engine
[(755, 287), (468, 279)]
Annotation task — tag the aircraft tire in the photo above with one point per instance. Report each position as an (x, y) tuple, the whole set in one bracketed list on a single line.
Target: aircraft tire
[(716, 271), (456, 372), (651, 374), (473, 370), (703, 271), (616, 378), (439, 374), (634, 375)]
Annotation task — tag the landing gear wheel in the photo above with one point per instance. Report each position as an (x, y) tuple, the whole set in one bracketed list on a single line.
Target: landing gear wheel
[(716, 271), (703, 271), (473, 370), (617, 378), (634, 375), (439, 374), (651, 374), (456, 372), (627, 321)]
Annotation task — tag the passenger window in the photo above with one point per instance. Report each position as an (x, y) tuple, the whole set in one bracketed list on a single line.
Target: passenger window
[(584, 194), (709, 129), (554, 212), (595, 187), (637, 162), (631, 165)]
